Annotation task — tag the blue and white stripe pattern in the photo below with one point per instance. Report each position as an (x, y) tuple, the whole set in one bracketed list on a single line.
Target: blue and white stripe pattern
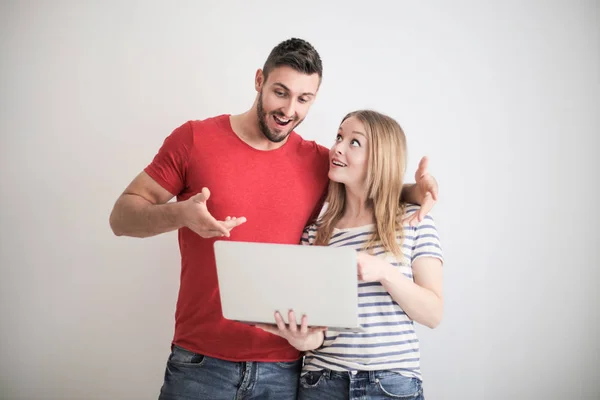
[(390, 342)]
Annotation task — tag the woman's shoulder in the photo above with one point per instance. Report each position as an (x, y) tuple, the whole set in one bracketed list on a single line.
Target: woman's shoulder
[(309, 234), (411, 209), (312, 228)]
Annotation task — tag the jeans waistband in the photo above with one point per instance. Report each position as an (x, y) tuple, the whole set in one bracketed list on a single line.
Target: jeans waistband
[(371, 376)]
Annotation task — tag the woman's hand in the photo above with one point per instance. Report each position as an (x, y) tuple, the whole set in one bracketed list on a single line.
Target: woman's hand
[(301, 337), (372, 268)]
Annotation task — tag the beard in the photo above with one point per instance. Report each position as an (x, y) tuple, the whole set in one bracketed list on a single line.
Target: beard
[(274, 137)]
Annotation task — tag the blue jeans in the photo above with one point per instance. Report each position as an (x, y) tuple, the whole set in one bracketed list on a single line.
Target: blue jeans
[(332, 385), (193, 376)]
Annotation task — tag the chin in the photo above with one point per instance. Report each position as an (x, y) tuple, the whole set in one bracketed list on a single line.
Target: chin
[(332, 177)]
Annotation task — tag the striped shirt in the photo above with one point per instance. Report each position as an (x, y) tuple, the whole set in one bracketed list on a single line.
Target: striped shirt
[(389, 341)]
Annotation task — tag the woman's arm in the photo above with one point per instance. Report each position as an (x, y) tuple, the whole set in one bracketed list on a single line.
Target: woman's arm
[(422, 299)]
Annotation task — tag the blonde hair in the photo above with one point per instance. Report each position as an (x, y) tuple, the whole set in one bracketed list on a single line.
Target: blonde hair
[(385, 175)]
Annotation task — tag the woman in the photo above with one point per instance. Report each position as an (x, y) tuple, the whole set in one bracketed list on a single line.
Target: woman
[(399, 271)]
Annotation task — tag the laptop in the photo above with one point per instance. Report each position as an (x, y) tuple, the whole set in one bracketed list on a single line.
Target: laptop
[(257, 279)]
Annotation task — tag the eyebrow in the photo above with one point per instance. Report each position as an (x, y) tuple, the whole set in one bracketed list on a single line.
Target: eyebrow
[(288, 89), (357, 132)]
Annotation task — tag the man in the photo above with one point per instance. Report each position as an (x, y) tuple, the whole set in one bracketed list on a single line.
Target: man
[(258, 170)]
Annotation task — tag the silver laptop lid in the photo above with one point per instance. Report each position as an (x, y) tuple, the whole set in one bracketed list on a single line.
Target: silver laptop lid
[(257, 279)]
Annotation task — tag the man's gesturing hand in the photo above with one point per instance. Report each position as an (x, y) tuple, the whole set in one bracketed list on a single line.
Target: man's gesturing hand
[(198, 219)]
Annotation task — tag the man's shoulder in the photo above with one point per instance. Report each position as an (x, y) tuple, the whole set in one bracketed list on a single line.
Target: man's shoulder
[(215, 122), (310, 147)]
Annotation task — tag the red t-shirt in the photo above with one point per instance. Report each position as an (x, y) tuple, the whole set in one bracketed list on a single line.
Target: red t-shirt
[(278, 191)]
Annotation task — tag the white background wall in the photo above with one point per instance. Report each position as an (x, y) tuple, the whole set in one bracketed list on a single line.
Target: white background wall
[(503, 96)]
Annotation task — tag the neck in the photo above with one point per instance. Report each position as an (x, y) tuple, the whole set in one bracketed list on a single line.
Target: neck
[(247, 128), (357, 211)]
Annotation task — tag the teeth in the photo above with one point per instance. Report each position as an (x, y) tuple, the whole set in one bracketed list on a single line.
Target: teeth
[(339, 164), (283, 121)]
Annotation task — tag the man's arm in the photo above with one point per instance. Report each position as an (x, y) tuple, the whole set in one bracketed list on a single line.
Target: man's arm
[(142, 211), (410, 194), (424, 193)]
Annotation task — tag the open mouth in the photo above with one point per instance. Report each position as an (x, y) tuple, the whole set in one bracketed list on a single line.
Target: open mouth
[(338, 163), (281, 121)]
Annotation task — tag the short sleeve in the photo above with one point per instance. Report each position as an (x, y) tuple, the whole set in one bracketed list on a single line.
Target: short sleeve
[(427, 241), (308, 235), (169, 165)]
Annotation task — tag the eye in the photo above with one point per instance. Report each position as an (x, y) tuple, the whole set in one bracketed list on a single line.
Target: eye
[(338, 138), (355, 142), (279, 93), (303, 100)]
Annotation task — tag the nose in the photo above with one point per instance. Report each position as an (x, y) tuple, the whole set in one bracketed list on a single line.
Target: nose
[(289, 108), (337, 148)]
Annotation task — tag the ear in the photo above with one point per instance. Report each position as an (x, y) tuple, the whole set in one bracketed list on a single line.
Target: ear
[(259, 80)]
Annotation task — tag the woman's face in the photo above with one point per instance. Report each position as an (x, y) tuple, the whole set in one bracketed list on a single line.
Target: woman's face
[(348, 156)]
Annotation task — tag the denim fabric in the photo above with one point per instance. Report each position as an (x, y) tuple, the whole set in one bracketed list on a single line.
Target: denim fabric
[(193, 376), (375, 385)]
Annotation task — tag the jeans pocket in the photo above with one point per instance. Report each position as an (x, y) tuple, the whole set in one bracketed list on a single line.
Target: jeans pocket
[(183, 357), (311, 379), (397, 386)]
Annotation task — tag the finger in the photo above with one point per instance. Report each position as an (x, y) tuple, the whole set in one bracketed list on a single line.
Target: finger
[(408, 220), (234, 222), (210, 233), (429, 185), (228, 218), (220, 226), (413, 220), (434, 191), (425, 207), (423, 165), (292, 321), (304, 325), (211, 224), (202, 196), (198, 198), (279, 321)]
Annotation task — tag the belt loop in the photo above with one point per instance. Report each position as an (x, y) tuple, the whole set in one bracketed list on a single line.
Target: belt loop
[(372, 377)]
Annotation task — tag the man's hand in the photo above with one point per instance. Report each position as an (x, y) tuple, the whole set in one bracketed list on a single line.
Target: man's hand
[(302, 338), (197, 218), (427, 193)]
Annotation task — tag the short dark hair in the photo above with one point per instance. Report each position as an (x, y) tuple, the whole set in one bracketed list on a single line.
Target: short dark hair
[(297, 54)]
